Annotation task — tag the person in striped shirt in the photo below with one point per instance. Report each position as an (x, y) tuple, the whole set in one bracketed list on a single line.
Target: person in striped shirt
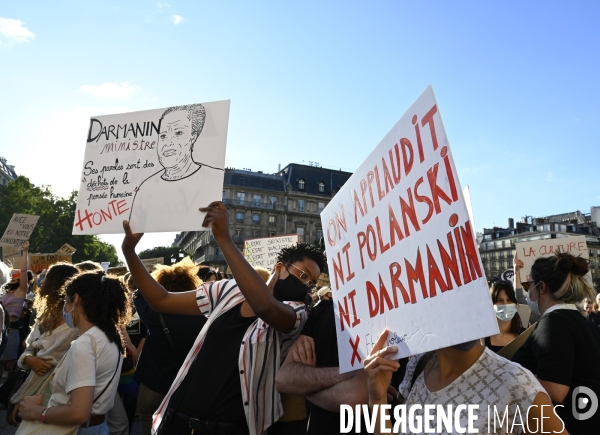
[(226, 385)]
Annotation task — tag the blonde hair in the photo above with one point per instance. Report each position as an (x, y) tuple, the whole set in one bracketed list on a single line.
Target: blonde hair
[(264, 273), (566, 276), (179, 277)]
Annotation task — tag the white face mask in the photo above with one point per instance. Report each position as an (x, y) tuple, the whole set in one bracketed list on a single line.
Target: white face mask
[(505, 312), (533, 305)]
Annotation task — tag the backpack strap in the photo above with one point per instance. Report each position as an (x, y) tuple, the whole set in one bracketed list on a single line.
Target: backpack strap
[(109, 382), (166, 330)]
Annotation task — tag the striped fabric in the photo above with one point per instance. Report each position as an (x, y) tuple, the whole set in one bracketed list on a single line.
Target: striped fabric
[(261, 353)]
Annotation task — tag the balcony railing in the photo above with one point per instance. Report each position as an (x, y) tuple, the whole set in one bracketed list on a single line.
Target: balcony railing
[(255, 204), (267, 206)]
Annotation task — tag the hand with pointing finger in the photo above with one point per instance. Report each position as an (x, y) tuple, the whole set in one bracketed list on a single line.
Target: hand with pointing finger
[(380, 369), (517, 263)]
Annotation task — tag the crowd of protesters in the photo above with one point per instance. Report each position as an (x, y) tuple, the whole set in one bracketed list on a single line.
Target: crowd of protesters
[(189, 350)]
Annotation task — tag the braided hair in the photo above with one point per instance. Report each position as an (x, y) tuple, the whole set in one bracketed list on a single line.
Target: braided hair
[(105, 301)]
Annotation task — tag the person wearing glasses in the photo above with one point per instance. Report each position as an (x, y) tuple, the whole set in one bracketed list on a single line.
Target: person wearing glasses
[(563, 351), (311, 369), (227, 382)]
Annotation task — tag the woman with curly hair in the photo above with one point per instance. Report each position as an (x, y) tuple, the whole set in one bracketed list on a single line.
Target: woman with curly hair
[(85, 381), (164, 353), (50, 338)]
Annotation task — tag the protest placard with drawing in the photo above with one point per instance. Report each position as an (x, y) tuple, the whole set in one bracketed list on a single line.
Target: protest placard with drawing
[(155, 168), (401, 248), (19, 230), (263, 252)]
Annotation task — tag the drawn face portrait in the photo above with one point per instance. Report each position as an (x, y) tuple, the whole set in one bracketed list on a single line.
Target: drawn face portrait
[(175, 139)]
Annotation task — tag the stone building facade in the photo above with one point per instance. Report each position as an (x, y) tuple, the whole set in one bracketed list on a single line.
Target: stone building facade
[(265, 205), (497, 245)]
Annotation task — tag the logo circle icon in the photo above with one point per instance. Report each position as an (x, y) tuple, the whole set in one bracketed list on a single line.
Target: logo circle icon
[(584, 403)]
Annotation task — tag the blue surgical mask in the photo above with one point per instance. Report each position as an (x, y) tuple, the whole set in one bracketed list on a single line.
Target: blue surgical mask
[(68, 317), (533, 305), (505, 312)]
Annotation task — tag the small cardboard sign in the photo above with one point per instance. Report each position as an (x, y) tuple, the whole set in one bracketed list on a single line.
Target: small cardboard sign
[(149, 263), (19, 230), (528, 252), (155, 168), (401, 247), (263, 252), (39, 262), (66, 249)]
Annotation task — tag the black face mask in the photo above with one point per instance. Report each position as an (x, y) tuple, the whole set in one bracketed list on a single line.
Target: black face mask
[(290, 289), (466, 346)]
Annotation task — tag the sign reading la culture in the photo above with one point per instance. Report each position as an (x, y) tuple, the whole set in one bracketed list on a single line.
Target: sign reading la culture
[(147, 167), (401, 248)]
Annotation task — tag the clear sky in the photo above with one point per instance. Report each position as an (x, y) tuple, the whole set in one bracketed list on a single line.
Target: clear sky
[(516, 82)]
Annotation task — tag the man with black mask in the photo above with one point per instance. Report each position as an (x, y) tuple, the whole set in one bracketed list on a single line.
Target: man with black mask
[(227, 383)]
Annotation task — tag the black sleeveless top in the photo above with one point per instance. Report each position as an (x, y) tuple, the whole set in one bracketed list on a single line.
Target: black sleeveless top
[(490, 346)]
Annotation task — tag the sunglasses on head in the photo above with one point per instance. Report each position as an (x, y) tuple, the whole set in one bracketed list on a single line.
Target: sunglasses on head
[(527, 285)]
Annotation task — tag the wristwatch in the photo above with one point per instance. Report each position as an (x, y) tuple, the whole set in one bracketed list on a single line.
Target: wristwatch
[(43, 416)]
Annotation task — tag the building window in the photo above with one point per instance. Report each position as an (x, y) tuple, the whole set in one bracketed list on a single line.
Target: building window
[(300, 232), (320, 207), (301, 204), (238, 232), (301, 184), (272, 221), (256, 219), (224, 195), (321, 187), (271, 233), (239, 217), (319, 234), (272, 202), (256, 200), (241, 198), (256, 234)]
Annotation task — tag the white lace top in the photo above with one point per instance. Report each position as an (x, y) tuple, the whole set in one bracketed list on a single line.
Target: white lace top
[(491, 381)]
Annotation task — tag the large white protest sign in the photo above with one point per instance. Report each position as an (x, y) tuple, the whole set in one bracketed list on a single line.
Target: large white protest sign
[(154, 168), (263, 252), (528, 252), (19, 230), (401, 248)]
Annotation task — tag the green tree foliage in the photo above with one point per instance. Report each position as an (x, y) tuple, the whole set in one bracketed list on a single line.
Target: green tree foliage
[(160, 251), (55, 225)]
